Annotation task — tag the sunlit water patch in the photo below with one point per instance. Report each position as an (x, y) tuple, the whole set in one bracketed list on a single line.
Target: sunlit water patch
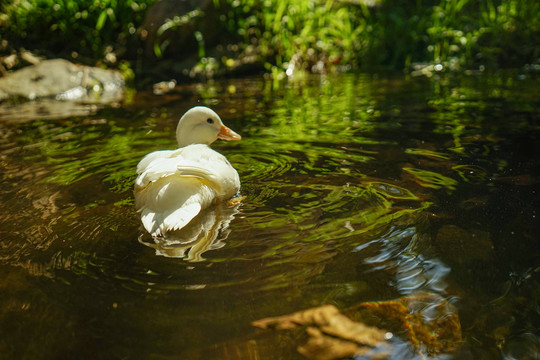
[(354, 188)]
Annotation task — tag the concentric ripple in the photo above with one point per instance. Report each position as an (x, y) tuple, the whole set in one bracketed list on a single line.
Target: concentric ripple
[(307, 198)]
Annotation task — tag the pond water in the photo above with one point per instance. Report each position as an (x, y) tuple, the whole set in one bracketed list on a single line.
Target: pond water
[(358, 189)]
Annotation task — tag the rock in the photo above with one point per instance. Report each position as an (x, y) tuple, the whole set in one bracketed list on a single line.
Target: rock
[(421, 325), (425, 321), (63, 80), (332, 335)]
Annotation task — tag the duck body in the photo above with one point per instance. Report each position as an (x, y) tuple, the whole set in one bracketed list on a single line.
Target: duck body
[(174, 186)]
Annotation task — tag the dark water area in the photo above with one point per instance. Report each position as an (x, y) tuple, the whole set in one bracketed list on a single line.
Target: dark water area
[(358, 189)]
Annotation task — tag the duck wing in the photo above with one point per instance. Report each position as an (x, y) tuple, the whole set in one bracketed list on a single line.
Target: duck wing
[(193, 161), (173, 186)]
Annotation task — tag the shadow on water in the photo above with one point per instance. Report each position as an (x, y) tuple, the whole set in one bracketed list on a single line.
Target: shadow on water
[(357, 189)]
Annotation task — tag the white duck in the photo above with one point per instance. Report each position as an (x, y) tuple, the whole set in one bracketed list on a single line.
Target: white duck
[(173, 186)]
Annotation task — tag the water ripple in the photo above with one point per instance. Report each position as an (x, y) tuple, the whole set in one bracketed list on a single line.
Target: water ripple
[(397, 252)]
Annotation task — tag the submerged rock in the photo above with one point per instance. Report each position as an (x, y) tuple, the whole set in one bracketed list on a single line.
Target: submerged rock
[(425, 320), (63, 80), (332, 335), (422, 324)]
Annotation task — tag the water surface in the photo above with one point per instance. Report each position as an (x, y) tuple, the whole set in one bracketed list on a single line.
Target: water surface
[(358, 188)]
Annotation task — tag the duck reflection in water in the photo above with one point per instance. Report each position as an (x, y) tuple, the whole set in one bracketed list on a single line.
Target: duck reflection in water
[(174, 188), (206, 232)]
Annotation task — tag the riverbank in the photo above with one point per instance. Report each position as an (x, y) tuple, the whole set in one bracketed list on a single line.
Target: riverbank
[(150, 41)]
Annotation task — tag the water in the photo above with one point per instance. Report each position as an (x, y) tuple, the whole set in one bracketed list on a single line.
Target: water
[(358, 188)]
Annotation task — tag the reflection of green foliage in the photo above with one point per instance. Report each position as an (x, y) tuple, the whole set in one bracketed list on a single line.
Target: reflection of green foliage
[(337, 111), (392, 191), (463, 107), (79, 151), (427, 153), (471, 174), (310, 128), (352, 213), (431, 179), (301, 164)]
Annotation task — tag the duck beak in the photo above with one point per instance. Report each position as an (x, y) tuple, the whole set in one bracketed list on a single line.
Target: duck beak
[(227, 134)]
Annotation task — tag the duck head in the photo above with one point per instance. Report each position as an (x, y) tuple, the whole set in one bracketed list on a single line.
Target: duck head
[(201, 125)]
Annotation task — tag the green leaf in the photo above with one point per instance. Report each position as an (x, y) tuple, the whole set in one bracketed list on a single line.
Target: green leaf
[(101, 20)]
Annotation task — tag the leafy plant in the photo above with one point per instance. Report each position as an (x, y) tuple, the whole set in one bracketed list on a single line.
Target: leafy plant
[(324, 34), (312, 35), (470, 33), (303, 34), (90, 28)]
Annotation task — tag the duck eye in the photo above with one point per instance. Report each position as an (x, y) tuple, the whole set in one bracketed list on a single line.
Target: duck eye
[(210, 121)]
